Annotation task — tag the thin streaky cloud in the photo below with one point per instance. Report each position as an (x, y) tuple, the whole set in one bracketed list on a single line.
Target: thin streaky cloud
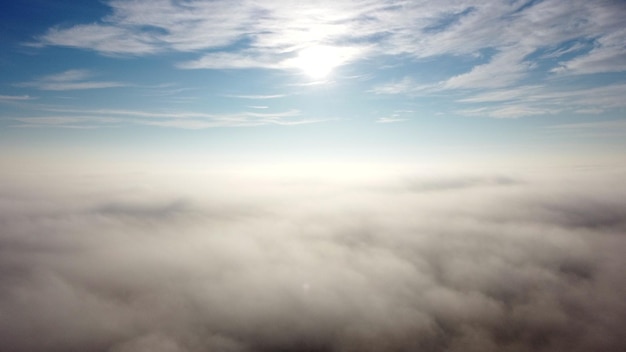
[(390, 119), (234, 61), (15, 97), (407, 28), (596, 129), (608, 96), (61, 120), (225, 121), (70, 80), (71, 85), (565, 50), (589, 111), (535, 39), (185, 120), (507, 111), (137, 113), (68, 76), (255, 96), (406, 86), (503, 70), (599, 125), (71, 122), (280, 114)]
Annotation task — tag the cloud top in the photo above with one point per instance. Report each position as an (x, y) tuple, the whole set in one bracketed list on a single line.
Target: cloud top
[(194, 263)]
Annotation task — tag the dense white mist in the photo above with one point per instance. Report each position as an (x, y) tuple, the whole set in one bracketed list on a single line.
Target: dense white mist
[(201, 262)]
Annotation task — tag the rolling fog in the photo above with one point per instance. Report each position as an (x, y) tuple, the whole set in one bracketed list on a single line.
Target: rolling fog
[(402, 262)]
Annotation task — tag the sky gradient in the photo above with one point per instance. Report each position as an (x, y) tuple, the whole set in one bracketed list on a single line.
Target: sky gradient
[(400, 81)]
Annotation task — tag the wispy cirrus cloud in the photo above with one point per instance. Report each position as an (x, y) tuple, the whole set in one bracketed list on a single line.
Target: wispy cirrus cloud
[(288, 59), (255, 96), (9, 98), (391, 119), (396, 116), (608, 55), (70, 80), (247, 59), (262, 31), (521, 100), (558, 52), (504, 69), (71, 122), (507, 111), (607, 97), (97, 118), (406, 86), (503, 44), (601, 128)]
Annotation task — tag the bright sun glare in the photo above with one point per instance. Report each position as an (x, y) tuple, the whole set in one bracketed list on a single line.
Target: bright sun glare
[(318, 62)]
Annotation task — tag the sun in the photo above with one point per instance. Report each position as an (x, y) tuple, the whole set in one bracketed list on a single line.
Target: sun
[(318, 61)]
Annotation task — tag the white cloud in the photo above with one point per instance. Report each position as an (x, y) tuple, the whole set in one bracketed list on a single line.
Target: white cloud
[(524, 100), (609, 127), (522, 41), (391, 119), (238, 60), (406, 86), (403, 86), (591, 111), (605, 97), (248, 33), (188, 124), (75, 118), (64, 121), (70, 80), (563, 51), (506, 94), (106, 39), (10, 98), (257, 96), (73, 85), (178, 261), (609, 55), (507, 111), (504, 69), (284, 60), (68, 76), (397, 116)]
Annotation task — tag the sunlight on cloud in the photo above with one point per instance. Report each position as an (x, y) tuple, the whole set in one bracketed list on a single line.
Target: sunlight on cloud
[(152, 197), (318, 61), (123, 261), (539, 40)]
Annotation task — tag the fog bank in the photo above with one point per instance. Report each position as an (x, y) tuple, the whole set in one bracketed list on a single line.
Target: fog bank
[(401, 262)]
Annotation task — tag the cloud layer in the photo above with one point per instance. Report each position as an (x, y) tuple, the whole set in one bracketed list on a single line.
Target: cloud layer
[(498, 59), (196, 262), (250, 33)]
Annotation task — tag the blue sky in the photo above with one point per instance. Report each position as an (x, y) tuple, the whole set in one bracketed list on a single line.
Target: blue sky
[(341, 80)]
